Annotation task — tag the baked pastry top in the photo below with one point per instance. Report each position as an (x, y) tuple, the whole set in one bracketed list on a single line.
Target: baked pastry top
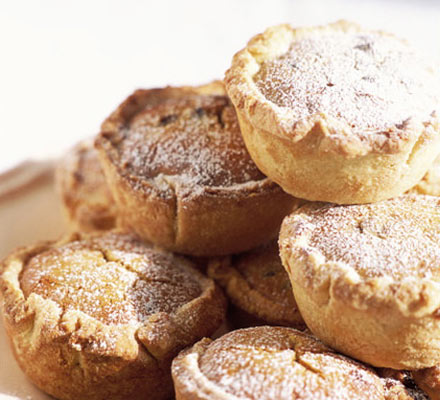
[(191, 146), (395, 239), (180, 140), (369, 89), (114, 279), (181, 175), (366, 277), (270, 363), (257, 283), (85, 195), (101, 316), (361, 105)]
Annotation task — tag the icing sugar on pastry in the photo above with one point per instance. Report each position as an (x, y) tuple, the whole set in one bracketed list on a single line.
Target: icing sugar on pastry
[(191, 141), (272, 363), (371, 81), (378, 242), (111, 278)]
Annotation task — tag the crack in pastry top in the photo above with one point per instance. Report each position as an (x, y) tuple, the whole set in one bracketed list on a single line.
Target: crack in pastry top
[(372, 81), (398, 238), (112, 278), (281, 363), (187, 142)]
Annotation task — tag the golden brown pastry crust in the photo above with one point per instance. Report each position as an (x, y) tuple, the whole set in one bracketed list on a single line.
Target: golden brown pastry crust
[(157, 201), (366, 277), (270, 363), (257, 283), (429, 380), (400, 385), (101, 316), (86, 198), (313, 147), (430, 183)]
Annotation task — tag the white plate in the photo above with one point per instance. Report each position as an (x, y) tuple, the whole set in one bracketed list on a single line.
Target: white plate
[(29, 211)]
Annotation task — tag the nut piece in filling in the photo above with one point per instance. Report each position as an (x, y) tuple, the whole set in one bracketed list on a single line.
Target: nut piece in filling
[(366, 277), (258, 286), (270, 363), (337, 113), (85, 195), (182, 177), (102, 316)]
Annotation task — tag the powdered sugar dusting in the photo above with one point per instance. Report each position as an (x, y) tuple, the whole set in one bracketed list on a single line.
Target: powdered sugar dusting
[(430, 183), (187, 142), (281, 363), (80, 276), (399, 238), (371, 81)]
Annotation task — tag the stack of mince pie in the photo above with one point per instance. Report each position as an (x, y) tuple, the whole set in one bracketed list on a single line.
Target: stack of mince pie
[(302, 190)]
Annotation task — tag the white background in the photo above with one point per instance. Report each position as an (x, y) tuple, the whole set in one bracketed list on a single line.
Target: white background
[(64, 65)]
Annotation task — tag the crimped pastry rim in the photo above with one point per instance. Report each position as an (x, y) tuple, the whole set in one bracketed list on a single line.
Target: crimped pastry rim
[(196, 385), (125, 111), (190, 358), (222, 270), (335, 136), (19, 310), (327, 279)]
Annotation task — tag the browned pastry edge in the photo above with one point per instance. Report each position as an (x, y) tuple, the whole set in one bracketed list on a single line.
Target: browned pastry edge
[(216, 221), (253, 307), (429, 380), (71, 355), (265, 115), (87, 208), (191, 383), (383, 314), (321, 159)]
